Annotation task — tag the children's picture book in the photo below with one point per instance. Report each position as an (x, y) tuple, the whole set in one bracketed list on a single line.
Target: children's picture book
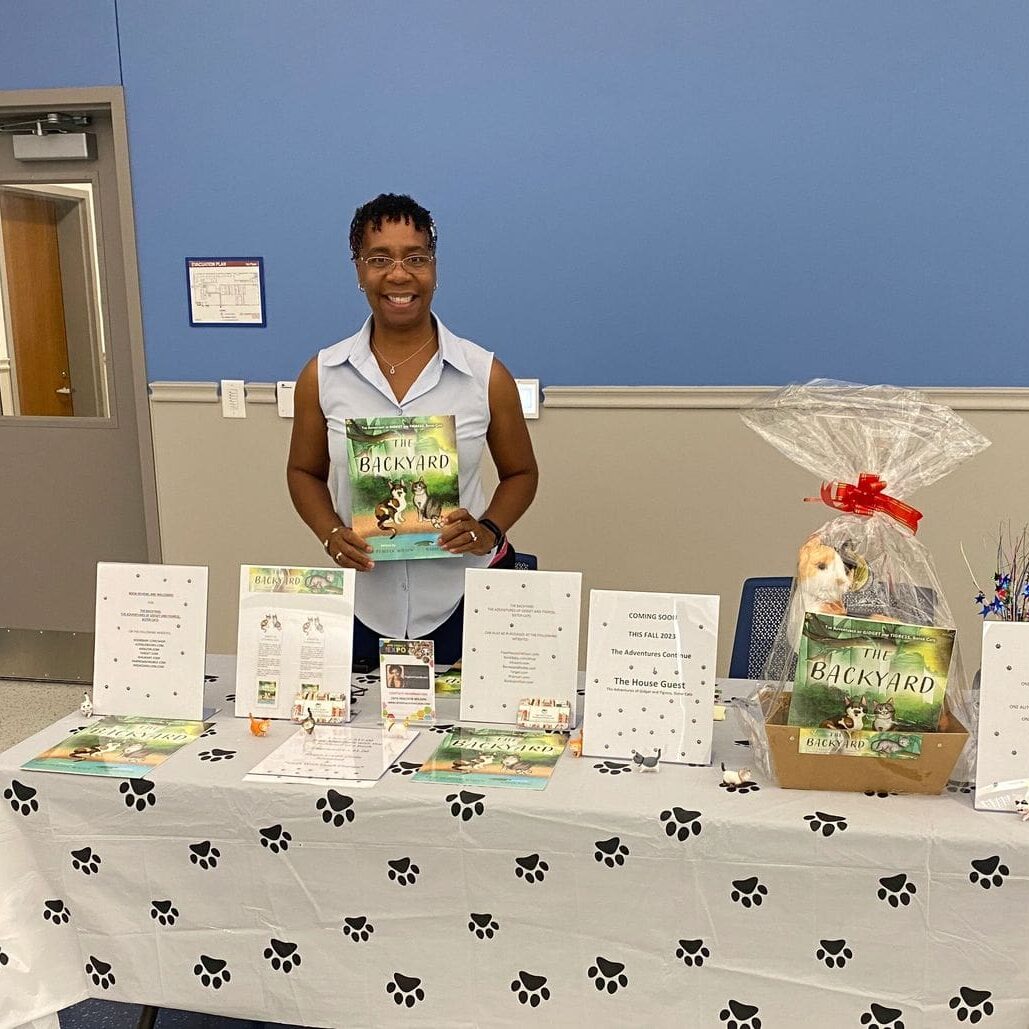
[(407, 682), (403, 482), (121, 746), (494, 757), (449, 682), (862, 675)]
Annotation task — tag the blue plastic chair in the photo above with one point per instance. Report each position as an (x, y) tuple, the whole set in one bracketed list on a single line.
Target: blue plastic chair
[(526, 562), (763, 604)]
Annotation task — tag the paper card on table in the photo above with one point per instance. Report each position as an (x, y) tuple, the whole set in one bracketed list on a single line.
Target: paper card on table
[(296, 633), (1002, 767), (650, 675), (407, 687), (335, 752), (521, 638), (150, 636), (122, 747)]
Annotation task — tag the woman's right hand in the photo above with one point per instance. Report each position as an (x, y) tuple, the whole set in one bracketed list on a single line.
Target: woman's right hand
[(348, 550)]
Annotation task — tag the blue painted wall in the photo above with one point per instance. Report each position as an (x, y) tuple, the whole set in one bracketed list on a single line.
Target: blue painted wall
[(674, 192)]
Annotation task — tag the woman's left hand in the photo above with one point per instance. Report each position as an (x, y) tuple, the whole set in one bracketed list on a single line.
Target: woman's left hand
[(462, 534)]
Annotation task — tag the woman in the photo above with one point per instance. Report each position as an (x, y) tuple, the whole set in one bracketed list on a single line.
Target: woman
[(404, 361)]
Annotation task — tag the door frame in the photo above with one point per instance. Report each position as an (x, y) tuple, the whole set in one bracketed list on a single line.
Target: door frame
[(113, 99)]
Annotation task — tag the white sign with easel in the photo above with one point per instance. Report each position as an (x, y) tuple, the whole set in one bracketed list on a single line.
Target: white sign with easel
[(521, 639), (149, 643), (650, 676)]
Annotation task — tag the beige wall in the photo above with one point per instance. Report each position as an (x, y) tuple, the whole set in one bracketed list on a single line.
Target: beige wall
[(640, 489)]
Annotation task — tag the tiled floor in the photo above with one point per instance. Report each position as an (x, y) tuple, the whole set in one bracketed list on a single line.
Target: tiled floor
[(27, 707)]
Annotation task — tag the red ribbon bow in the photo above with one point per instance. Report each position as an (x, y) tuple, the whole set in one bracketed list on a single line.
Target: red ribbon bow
[(866, 498)]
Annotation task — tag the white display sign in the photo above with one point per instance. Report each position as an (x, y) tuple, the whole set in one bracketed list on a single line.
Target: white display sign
[(295, 640), (521, 639), (149, 644), (650, 676), (1002, 767)]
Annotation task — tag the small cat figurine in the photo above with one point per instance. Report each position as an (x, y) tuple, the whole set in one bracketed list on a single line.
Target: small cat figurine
[(391, 510), (427, 507), (883, 715), (854, 719), (646, 764)]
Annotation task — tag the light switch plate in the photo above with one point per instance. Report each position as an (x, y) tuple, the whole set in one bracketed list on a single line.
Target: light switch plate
[(234, 401), (284, 396)]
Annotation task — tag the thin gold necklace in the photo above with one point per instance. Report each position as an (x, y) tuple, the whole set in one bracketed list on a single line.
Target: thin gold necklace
[(394, 366)]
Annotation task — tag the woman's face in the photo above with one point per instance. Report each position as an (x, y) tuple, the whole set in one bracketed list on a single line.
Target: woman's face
[(399, 299)]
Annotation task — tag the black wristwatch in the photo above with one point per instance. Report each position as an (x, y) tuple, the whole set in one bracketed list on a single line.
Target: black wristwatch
[(495, 529)]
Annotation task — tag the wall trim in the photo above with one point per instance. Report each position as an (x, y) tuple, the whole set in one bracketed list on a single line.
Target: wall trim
[(724, 398), (986, 398)]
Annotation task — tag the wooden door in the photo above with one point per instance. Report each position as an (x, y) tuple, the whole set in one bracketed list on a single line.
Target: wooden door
[(35, 300)]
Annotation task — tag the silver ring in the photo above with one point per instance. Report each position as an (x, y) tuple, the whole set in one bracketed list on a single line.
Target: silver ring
[(475, 539)]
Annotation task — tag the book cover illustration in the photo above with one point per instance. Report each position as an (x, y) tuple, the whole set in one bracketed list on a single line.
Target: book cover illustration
[(861, 675), (121, 746), (406, 681), (403, 483), (449, 682), (493, 757)]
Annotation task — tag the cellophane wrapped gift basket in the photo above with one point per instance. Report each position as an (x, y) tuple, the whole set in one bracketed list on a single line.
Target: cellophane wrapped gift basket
[(864, 571)]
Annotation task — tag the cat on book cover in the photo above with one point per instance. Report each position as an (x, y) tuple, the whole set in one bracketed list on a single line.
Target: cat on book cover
[(853, 719), (884, 715), (427, 507), (389, 513)]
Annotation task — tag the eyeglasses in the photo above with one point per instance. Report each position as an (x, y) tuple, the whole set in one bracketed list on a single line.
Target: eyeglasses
[(413, 263)]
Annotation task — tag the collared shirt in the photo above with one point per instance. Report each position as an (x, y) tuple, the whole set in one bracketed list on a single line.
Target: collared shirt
[(408, 599)]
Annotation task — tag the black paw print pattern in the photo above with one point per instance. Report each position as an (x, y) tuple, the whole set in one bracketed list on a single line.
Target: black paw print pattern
[(607, 975), (748, 892), (402, 871), (282, 955), (988, 872), (22, 798), (163, 912), (880, 1017), (610, 852), (210, 678), (138, 794), (216, 755), (230, 696), (737, 1015), (337, 808), (681, 824), (100, 972), (530, 989), (692, 953), (204, 854), (210, 731), (742, 788), (613, 767), (358, 928), (212, 972), (826, 824), (960, 786), (85, 861), (896, 890), (971, 1005), (275, 838), (532, 868), (834, 953), (466, 805), (441, 727), (3, 959), (405, 767), (56, 911), (405, 990), (483, 925), (77, 730), (881, 794)]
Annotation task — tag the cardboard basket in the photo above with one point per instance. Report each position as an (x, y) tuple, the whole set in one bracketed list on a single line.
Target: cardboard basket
[(927, 773)]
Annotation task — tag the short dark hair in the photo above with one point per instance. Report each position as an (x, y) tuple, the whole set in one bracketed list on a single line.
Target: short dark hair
[(390, 207)]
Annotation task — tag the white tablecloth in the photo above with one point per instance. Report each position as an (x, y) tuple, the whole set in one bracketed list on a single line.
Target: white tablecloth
[(611, 898)]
